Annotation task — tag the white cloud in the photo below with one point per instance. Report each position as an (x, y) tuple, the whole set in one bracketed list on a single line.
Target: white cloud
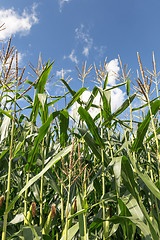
[(16, 23), (63, 72), (117, 98), (86, 51), (61, 3), (72, 57), (113, 69), (84, 37)]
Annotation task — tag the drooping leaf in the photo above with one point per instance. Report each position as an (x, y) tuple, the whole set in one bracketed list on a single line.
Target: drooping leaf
[(6, 113), (121, 109), (91, 98), (130, 184), (91, 126), (76, 97), (133, 206), (91, 142), (144, 228), (143, 127)]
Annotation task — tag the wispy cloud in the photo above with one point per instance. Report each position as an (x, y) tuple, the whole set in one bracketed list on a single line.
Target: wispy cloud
[(72, 57), (83, 36), (63, 72), (16, 23), (99, 51), (61, 3)]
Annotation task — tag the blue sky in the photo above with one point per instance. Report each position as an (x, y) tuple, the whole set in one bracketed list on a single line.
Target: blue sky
[(75, 31)]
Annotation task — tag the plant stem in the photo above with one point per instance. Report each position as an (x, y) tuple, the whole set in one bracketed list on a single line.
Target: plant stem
[(67, 208), (62, 206), (105, 227), (9, 173), (25, 200), (85, 199), (41, 192)]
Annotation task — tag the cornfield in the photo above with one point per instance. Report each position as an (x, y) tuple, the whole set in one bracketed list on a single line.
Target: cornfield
[(90, 177)]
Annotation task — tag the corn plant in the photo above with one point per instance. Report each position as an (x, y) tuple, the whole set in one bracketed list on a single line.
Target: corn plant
[(96, 178)]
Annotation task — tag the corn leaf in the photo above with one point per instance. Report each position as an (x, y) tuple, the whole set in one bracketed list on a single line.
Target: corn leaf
[(91, 125)]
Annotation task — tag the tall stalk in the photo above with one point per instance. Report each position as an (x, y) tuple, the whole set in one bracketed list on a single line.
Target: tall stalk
[(84, 214), (146, 95), (67, 207), (25, 200), (41, 190), (10, 158), (62, 205), (105, 224)]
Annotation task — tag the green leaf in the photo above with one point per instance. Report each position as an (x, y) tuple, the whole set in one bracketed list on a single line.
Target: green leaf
[(53, 161), (130, 184), (149, 183), (49, 177), (32, 232), (121, 109), (106, 98), (7, 113), (128, 177), (4, 128), (128, 87), (72, 232), (40, 90), (116, 163), (144, 228), (91, 143), (91, 125), (64, 123), (42, 132), (143, 127), (115, 86), (76, 97), (152, 135), (145, 105), (107, 106), (133, 206), (91, 98), (109, 197), (105, 82), (42, 98), (68, 87)]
